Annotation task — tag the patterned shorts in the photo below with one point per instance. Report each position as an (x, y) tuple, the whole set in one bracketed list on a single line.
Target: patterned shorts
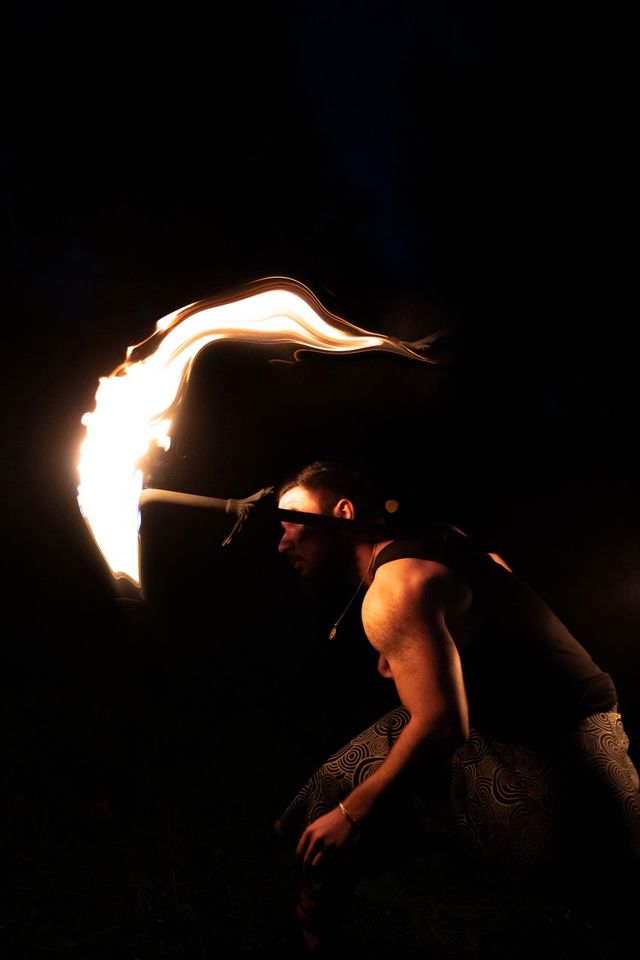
[(526, 803)]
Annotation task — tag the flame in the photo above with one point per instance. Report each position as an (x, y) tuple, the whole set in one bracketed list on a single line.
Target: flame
[(135, 404)]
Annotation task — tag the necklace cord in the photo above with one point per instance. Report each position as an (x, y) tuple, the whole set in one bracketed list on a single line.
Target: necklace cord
[(369, 567)]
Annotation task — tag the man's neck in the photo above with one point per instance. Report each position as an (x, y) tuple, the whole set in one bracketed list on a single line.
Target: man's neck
[(365, 557)]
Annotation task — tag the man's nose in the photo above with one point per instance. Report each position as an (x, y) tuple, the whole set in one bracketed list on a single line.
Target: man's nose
[(286, 539)]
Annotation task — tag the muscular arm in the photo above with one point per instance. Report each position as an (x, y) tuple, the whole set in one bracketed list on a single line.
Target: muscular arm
[(405, 617)]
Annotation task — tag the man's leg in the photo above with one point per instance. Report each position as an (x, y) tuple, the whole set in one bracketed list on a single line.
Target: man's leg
[(326, 891)]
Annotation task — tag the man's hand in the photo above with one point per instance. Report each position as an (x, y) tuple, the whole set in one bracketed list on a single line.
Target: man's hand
[(325, 836)]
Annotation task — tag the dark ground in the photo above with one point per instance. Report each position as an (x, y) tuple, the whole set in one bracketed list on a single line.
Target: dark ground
[(470, 167)]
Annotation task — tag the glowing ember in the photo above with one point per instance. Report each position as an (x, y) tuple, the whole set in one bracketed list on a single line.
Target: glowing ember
[(136, 403)]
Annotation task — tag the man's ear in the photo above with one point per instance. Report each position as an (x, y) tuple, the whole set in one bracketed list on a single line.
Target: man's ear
[(344, 509)]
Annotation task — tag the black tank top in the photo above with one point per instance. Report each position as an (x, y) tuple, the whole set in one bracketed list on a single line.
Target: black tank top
[(525, 674)]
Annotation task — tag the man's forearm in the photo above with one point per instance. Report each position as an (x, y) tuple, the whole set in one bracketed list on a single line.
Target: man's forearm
[(430, 745)]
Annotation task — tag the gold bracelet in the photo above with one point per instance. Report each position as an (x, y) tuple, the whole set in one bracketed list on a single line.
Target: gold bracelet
[(352, 820)]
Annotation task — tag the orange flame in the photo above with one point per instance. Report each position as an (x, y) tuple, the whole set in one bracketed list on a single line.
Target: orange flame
[(136, 402)]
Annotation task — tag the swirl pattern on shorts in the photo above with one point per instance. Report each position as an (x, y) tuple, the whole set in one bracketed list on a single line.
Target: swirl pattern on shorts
[(519, 801), (343, 771)]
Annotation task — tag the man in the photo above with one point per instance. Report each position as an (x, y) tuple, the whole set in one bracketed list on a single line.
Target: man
[(507, 738)]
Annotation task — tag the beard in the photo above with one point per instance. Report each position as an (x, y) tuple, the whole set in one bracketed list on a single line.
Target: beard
[(327, 572), (317, 584), (327, 576)]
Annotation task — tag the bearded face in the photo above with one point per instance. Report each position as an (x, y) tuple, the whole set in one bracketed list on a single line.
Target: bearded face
[(319, 557)]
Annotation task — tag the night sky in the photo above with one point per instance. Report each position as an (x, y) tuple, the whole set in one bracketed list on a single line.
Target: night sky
[(462, 167)]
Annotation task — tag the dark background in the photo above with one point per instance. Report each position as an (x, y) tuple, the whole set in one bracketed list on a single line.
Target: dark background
[(461, 167)]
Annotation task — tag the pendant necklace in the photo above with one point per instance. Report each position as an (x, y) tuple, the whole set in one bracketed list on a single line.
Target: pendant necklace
[(334, 628)]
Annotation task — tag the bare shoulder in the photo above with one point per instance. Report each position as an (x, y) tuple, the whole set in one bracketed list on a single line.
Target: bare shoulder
[(420, 581), (412, 598)]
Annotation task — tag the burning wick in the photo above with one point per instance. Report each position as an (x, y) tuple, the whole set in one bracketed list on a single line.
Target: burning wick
[(136, 403)]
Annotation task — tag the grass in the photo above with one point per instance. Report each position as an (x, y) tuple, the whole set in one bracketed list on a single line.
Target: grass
[(138, 826), (171, 879)]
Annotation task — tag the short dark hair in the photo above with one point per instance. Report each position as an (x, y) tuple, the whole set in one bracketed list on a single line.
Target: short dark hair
[(332, 479)]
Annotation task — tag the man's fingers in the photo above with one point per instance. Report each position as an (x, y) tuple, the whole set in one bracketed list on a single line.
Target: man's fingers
[(302, 844), (309, 849), (314, 854)]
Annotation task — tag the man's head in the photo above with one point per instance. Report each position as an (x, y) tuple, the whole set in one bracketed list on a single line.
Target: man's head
[(333, 489)]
